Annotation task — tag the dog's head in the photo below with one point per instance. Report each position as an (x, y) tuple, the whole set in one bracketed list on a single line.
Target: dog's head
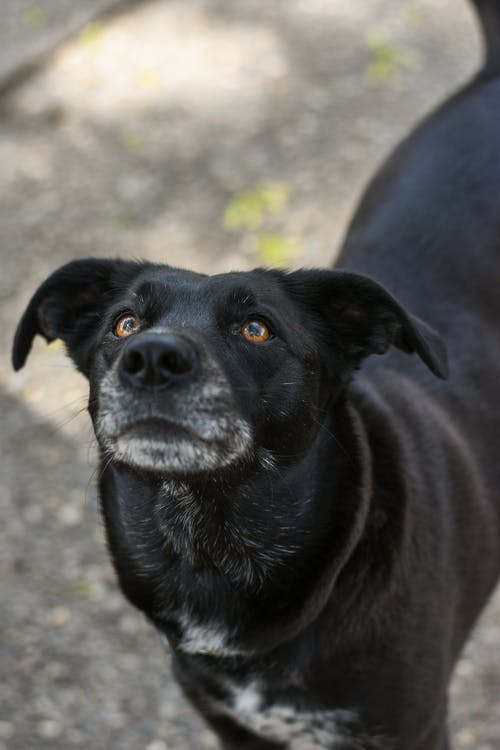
[(192, 373)]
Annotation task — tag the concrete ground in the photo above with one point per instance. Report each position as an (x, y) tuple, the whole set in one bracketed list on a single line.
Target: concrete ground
[(168, 131)]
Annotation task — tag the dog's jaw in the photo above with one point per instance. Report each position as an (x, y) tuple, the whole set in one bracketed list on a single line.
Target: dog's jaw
[(182, 456)]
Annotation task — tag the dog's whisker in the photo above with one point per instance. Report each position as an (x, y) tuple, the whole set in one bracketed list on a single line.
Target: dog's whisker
[(64, 423)]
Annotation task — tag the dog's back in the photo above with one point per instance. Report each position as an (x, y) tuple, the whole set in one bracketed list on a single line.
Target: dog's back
[(428, 227)]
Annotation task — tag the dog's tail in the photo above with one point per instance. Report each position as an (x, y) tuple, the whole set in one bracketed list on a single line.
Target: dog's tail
[(489, 16)]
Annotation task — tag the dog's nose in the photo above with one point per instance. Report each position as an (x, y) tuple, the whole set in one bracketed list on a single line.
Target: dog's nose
[(157, 361)]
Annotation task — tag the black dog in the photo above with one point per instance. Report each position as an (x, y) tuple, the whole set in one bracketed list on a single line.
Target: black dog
[(314, 543)]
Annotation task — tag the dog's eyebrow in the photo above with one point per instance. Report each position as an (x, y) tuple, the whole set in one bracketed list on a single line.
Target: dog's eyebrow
[(242, 297), (147, 288)]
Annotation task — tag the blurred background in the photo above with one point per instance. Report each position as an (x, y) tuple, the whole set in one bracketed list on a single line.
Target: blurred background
[(213, 134)]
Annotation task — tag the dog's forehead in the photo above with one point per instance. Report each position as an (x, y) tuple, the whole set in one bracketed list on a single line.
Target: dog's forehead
[(240, 288)]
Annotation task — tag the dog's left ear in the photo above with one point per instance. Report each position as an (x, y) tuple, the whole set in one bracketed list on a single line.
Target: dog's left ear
[(69, 306), (359, 317)]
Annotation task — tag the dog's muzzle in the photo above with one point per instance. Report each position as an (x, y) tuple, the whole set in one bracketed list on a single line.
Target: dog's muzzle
[(166, 405)]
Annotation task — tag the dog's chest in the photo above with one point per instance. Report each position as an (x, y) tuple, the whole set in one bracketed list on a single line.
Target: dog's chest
[(210, 639), (295, 722), (283, 722)]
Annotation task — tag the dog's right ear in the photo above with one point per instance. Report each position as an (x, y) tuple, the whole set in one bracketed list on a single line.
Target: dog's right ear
[(69, 306)]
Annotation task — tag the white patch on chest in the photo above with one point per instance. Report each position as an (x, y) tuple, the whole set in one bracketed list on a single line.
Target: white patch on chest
[(205, 639), (300, 730)]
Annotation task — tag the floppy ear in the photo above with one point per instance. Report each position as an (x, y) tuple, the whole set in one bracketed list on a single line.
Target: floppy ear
[(359, 317), (69, 305)]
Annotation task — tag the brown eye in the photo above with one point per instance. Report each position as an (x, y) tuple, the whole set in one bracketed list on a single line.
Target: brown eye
[(126, 325), (255, 331)]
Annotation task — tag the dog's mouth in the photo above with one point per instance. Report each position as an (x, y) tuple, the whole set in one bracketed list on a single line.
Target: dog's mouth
[(203, 443), (158, 430), (168, 447)]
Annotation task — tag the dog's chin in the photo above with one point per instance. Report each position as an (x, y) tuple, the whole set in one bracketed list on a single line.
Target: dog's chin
[(166, 448)]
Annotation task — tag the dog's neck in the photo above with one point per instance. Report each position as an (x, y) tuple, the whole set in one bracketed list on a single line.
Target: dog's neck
[(210, 553)]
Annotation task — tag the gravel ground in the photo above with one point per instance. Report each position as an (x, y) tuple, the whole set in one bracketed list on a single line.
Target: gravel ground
[(132, 140)]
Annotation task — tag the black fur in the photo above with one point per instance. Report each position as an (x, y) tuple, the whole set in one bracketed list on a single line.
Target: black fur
[(331, 533)]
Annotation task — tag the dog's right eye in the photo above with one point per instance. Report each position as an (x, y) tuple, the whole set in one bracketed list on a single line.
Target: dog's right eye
[(255, 331), (126, 325)]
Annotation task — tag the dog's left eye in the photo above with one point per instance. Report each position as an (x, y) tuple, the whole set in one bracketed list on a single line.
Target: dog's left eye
[(126, 325), (255, 331)]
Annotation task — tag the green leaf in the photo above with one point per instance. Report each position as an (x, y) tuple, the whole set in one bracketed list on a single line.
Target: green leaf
[(82, 588), (278, 250), (91, 34), (248, 210), (55, 344), (132, 141), (35, 16), (275, 197), (389, 59)]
